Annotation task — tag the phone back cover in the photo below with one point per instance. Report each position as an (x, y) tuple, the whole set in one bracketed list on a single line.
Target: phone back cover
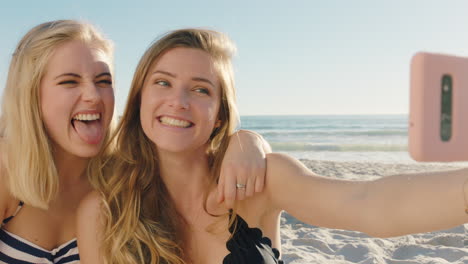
[(425, 143)]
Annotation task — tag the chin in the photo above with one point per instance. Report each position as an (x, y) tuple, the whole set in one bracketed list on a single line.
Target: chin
[(172, 149), (180, 147), (88, 152)]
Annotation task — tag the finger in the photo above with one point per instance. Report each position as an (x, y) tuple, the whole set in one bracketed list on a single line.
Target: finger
[(242, 180), (220, 195), (230, 190), (260, 180), (250, 188), (241, 193)]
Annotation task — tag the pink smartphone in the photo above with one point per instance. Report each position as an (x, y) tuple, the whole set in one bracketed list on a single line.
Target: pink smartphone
[(438, 121)]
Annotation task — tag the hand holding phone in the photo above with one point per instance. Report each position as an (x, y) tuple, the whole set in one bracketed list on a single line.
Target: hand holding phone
[(438, 121)]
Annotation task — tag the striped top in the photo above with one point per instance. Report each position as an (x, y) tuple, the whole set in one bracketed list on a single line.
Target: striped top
[(17, 250)]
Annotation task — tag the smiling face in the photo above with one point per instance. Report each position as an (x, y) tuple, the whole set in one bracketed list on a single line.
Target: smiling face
[(180, 100), (77, 99)]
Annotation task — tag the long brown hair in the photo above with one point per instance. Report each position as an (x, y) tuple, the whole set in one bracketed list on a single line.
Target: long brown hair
[(140, 219)]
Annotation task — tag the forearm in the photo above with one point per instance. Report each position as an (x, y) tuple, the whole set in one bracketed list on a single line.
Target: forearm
[(413, 203)]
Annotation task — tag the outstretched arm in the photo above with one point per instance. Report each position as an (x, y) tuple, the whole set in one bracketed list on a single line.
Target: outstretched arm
[(390, 206), (244, 164)]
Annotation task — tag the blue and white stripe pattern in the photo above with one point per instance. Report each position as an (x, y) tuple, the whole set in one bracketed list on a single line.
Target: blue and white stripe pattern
[(16, 250)]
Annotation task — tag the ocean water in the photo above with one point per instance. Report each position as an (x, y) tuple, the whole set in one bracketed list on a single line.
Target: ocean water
[(372, 138)]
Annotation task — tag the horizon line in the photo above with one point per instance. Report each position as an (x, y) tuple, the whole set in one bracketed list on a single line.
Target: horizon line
[(324, 114)]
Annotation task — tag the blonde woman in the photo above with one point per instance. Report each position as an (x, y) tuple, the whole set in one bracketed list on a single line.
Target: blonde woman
[(157, 203), (57, 107)]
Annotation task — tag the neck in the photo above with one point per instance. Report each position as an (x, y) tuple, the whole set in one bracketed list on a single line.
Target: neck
[(186, 176), (71, 169)]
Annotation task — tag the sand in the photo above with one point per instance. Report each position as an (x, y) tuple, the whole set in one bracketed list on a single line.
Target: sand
[(304, 243)]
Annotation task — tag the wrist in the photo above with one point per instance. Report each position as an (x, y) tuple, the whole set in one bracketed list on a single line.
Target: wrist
[(248, 132), (264, 144)]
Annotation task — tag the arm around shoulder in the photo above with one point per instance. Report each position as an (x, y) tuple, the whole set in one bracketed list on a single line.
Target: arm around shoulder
[(89, 228), (243, 163)]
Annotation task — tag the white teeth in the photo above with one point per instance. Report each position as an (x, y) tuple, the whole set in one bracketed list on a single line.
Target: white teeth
[(87, 117), (174, 122)]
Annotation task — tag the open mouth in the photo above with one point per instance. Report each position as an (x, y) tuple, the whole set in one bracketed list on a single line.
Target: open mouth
[(87, 117), (88, 127), (169, 121)]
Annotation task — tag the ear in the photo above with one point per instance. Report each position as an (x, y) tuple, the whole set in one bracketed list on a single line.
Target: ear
[(215, 129)]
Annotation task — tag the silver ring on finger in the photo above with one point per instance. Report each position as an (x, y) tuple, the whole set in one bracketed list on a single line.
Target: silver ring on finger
[(240, 186)]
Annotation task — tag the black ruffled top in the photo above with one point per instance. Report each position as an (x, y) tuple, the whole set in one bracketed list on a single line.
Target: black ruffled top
[(248, 246)]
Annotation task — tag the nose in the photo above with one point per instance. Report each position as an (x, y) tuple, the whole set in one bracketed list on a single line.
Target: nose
[(179, 99), (91, 93)]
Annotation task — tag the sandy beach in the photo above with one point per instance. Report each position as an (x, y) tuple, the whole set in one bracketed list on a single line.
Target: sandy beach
[(303, 243)]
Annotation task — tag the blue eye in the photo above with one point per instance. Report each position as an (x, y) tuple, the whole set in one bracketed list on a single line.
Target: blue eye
[(202, 90), (162, 83)]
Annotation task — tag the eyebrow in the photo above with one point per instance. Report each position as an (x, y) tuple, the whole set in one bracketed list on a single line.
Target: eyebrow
[(79, 76), (165, 72), (198, 79), (104, 74), (68, 74)]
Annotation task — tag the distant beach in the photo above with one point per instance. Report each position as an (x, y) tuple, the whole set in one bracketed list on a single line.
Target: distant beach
[(381, 138), (357, 148)]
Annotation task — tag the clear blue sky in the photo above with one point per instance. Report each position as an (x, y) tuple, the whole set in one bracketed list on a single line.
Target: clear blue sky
[(294, 57)]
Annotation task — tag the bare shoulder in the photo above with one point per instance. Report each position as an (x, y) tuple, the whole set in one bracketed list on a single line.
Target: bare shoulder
[(90, 207), (90, 228)]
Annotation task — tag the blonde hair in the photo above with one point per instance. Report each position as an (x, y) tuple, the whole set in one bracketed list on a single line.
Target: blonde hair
[(29, 163), (140, 219)]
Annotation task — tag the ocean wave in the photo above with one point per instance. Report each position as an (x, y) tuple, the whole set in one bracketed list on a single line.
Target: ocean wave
[(370, 133), (300, 146), (280, 127)]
